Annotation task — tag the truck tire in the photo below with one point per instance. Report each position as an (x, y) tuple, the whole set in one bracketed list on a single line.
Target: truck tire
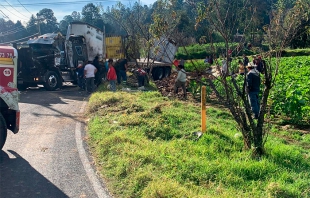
[(53, 81), (157, 73), (167, 72), (3, 131)]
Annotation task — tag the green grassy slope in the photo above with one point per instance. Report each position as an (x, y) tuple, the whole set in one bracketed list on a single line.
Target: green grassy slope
[(144, 147)]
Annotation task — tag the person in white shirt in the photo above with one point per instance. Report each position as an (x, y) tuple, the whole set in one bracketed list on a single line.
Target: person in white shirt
[(89, 74), (180, 81)]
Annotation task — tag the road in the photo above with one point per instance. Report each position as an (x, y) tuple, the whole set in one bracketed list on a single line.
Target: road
[(46, 159)]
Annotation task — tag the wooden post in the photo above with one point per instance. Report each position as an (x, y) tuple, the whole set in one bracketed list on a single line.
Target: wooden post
[(203, 109)]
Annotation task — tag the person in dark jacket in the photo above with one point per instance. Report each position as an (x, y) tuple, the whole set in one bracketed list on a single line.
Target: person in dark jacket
[(121, 69), (252, 88), (98, 73), (245, 60)]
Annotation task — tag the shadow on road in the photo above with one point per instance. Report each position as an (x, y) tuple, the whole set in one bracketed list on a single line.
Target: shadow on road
[(47, 99), (40, 96), (19, 179)]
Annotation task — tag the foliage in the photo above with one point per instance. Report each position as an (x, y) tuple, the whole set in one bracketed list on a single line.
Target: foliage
[(145, 147), (91, 14), (291, 94), (198, 51)]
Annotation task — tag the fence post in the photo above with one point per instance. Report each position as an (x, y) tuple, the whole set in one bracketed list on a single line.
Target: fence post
[(203, 109)]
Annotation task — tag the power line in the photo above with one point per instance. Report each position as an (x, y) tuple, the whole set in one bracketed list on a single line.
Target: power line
[(24, 7), (20, 39), (8, 10), (12, 30), (15, 9), (22, 28), (63, 3), (4, 15)]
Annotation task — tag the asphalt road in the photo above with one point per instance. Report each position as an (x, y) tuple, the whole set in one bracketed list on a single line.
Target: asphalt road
[(44, 159)]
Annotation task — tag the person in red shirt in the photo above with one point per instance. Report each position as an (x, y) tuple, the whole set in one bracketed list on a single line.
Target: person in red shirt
[(176, 63), (111, 76)]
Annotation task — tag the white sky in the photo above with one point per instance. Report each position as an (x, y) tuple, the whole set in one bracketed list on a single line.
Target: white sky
[(22, 9)]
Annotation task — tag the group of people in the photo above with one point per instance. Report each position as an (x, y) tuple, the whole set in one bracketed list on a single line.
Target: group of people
[(115, 72)]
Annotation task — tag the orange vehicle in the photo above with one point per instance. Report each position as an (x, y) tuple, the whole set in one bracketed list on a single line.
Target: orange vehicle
[(9, 95)]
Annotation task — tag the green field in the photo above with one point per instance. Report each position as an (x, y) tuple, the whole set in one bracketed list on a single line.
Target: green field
[(144, 146)]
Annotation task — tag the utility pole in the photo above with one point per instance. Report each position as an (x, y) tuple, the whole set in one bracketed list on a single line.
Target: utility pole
[(39, 24)]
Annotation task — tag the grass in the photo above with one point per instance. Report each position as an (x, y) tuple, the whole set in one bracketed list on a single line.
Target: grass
[(144, 146)]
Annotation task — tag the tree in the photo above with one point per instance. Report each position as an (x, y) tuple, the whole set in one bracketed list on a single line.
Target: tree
[(222, 17), (32, 26), (91, 15), (47, 21), (63, 25), (76, 16)]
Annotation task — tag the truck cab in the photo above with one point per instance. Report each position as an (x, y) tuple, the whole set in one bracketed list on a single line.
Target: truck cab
[(9, 95)]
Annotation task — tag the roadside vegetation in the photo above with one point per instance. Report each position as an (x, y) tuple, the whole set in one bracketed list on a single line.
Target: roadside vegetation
[(145, 146)]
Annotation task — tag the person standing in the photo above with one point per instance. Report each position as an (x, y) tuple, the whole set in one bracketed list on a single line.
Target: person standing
[(97, 75), (80, 74), (89, 73), (121, 71), (210, 61), (180, 81), (224, 67), (206, 61), (241, 68), (252, 89), (261, 64), (111, 76), (245, 60)]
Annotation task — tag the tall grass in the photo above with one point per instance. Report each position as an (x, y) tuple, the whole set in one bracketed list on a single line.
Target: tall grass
[(144, 146)]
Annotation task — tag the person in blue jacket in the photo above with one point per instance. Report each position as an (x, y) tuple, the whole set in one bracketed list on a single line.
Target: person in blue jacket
[(80, 74)]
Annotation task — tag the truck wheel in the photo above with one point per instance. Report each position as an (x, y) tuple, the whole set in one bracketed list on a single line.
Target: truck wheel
[(52, 81), (167, 71), (158, 73), (3, 131)]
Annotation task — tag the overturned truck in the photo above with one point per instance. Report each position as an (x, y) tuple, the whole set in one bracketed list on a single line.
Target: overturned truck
[(51, 59)]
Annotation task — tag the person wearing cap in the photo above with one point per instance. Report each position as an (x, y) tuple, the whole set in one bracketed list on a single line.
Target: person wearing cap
[(111, 76), (252, 88), (180, 81), (89, 73)]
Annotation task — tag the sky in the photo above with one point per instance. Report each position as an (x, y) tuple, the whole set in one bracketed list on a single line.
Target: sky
[(23, 9)]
